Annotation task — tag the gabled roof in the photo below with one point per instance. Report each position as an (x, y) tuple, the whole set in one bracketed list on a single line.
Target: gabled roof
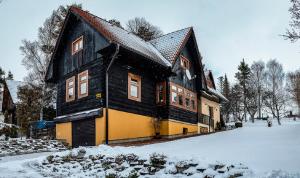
[(126, 39), (170, 45), (212, 89), (210, 79), (13, 86)]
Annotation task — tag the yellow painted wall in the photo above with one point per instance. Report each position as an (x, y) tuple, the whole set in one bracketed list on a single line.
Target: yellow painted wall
[(64, 131), (205, 103), (172, 127), (100, 129), (124, 125)]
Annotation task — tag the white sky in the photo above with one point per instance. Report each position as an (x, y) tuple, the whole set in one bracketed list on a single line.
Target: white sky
[(226, 30)]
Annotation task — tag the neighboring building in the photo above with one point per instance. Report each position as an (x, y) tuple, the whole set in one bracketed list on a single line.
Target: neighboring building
[(10, 98), (162, 78), (210, 105)]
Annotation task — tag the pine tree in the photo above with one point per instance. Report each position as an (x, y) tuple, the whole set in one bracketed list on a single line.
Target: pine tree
[(226, 87), (243, 76), (27, 107), (221, 83), (226, 106), (10, 76)]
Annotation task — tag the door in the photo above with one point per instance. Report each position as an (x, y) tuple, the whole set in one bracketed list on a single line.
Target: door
[(83, 132)]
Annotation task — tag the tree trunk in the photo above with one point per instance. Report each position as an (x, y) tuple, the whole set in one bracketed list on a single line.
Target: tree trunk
[(278, 119), (259, 103)]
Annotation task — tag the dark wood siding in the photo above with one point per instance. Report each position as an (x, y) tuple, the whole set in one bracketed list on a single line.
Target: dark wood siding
[(70, 65), (174, 112), (118, 86)]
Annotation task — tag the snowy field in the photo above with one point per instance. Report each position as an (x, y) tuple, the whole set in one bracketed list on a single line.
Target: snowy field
[(267, 152)]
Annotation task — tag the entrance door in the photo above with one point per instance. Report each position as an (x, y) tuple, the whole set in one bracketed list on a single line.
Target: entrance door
[(83, 132)]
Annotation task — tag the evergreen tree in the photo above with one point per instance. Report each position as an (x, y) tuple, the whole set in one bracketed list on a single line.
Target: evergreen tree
[(226, 106), (2, 76), (243, 76), (27, 108), (221, 83), (10, 76), (226, 87)]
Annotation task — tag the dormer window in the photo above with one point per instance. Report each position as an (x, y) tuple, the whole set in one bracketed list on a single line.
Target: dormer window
[(77, 45), (184, 62)]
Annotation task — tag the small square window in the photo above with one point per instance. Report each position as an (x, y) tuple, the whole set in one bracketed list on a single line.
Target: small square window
[(134, 87), (77, 45)]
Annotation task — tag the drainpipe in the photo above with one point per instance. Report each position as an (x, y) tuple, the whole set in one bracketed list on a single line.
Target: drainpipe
[(106, 90)]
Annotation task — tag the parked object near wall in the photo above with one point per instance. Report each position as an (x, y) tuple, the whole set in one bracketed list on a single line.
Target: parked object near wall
[(42, 129)]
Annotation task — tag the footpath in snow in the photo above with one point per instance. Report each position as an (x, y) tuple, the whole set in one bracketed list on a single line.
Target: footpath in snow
[(254, 151)]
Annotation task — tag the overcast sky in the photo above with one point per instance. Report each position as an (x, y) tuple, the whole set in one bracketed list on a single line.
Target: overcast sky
[(226, 30)]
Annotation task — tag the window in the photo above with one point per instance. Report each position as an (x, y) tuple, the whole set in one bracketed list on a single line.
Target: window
[(183, 98), (134, 87), (70, 89), (77, 45), (184, 62), (83, 84), (177, 93), (161, 93)]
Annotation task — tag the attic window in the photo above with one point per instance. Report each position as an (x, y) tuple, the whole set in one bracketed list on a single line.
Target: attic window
[(83, 79), (184, 62), (70, 89), (77, 45), (134, 87)]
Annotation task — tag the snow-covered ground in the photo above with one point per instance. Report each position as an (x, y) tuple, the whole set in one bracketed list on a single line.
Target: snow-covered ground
[(268, 152)]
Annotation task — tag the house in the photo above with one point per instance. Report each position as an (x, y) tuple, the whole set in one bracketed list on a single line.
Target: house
[(112, 86), (210, 100), (10, 99)]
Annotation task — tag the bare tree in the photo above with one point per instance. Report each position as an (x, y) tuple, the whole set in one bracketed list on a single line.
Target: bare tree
[(252, 99), (275, 97), (144, 29), (257, 79), (37, 55), (293, 33), (293, 83)]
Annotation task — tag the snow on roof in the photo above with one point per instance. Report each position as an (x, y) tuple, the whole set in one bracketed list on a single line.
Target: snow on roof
[(217, 93), (12, 86), (169, 44), (126, 39)]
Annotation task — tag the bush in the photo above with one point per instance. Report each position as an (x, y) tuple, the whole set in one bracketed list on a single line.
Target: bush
[(9, 131)]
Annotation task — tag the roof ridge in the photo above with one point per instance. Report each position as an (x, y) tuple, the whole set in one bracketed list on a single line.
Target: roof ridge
[(95, 16), (171, 33)]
